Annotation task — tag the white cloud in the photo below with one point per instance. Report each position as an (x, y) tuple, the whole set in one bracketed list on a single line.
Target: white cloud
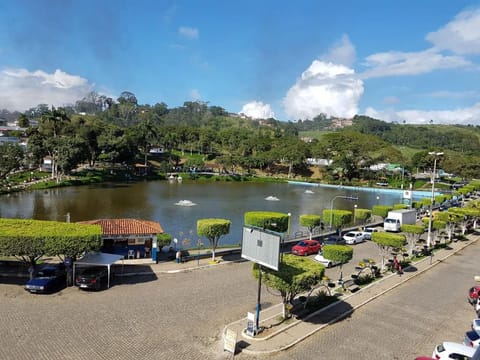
[(463, 116), (21, 89), (257, 110), (188, 32), (342, 52), (324, 88), (461, 36), (396, 63), (195, 94)]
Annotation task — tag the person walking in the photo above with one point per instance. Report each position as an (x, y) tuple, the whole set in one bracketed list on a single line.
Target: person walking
[(397, 265)]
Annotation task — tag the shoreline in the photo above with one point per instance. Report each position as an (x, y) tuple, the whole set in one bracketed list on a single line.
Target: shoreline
[(421, 193)]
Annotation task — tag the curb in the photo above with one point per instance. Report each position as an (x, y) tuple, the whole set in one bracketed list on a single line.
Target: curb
[(173, 271)]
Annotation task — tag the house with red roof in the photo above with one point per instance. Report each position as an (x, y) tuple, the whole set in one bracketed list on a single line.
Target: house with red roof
[(131, 238)]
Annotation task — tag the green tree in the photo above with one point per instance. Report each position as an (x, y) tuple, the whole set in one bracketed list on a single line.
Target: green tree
[(145, 135), (268, 220), (412, 233), (51, 127), (362, 215), (451, 220), (292, 151), (341, 253), (32, 239), (337, 218), (295, 275), (386, 242), (11, 158), (23, 121), (163, 239), (381, 210), (464, 214), (310, 222), (213, 229)]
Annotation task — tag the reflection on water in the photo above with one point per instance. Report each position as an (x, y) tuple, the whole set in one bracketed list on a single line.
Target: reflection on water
[(160, 200)]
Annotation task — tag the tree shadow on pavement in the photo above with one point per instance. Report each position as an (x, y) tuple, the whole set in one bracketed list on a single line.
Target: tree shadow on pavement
[(337, 311), (410, 269), (133, 274)]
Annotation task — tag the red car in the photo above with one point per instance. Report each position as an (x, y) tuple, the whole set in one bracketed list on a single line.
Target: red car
[(473, 293), (306, 247)]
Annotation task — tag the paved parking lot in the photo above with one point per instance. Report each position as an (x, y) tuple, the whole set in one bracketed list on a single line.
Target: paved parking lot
[(172, 316)]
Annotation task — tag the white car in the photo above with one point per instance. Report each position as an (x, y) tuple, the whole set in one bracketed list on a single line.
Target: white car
[(354, 237), (476, 325), (328, 263), (472, 338), (367, 232), (450, 350)]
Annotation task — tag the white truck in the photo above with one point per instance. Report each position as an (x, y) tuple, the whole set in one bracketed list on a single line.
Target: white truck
[(396, 218)]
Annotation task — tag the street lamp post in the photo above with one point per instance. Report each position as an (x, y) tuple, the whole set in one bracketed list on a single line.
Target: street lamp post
[(354, 214), (430, 217), (331, 205)]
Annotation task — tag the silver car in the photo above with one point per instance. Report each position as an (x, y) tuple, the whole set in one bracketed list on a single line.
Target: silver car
[(354, 237)]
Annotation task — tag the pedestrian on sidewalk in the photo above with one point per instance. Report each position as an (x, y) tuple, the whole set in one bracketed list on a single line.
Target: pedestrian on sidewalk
[(397, 265), (178, 257)]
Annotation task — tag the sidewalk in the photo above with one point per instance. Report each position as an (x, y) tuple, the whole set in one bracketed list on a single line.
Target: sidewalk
[(146, 266), (294, 331)]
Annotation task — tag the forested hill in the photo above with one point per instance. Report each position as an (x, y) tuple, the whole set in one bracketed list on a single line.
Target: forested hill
[(463, 139), (99, 128), (460, 138)]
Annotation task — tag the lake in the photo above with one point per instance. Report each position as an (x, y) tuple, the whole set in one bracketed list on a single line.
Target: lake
[(178, 205)]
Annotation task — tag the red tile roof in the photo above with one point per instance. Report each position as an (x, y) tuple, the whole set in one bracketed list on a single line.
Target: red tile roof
[(126, 226)]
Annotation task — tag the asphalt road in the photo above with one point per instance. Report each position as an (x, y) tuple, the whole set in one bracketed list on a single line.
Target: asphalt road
[(407, 322)]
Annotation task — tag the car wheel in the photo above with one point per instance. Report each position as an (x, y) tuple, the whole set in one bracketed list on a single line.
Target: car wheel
[(329, 265)]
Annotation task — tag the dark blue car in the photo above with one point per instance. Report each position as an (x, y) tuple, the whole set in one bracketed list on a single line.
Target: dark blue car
[(49, 278)]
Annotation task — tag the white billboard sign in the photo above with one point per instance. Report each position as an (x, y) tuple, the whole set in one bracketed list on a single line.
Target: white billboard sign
[(261, 247)]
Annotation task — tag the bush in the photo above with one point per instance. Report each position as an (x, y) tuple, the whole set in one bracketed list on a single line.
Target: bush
[(320, 300), (364, 279)]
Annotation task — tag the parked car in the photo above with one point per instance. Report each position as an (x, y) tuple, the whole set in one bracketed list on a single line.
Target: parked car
[(49, 278), (476, 305), (367, 232), (476, 325), (333, 240), (354, 237), (93, 277), (472, 338), (328, 263), (450, 350), (473, 294), (306, 247)]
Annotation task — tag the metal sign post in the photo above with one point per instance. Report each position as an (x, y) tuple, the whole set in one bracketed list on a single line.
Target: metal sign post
[(262, 247)]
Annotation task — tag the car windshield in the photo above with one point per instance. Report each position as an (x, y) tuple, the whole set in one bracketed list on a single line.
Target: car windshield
[(46, 273), (302, 243), (350, 234)]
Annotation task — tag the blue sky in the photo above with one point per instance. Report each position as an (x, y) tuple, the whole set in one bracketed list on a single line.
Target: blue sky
[(405, 61)]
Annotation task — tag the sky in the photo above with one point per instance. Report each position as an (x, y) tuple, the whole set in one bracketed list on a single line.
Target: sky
[(412, 62)]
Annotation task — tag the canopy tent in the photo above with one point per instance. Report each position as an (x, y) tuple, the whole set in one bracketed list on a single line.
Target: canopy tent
[(98, 259)]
